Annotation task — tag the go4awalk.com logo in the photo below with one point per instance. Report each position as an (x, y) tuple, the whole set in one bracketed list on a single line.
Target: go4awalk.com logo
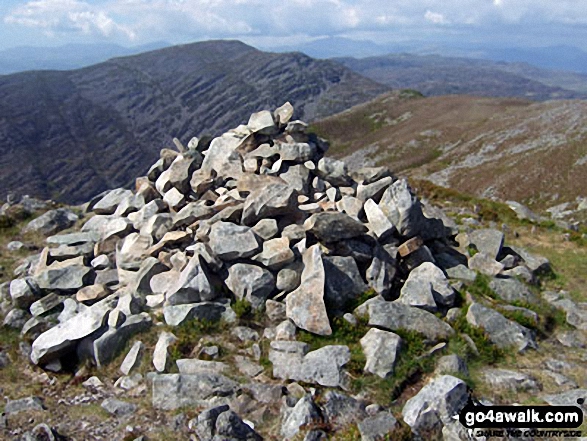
[(516, 421)]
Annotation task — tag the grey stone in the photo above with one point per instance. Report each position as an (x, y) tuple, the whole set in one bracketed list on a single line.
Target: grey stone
[(451, 364), (118, 408), (521, 272), (376, 427), (15, 245), (52, 222), (522, 211), (109, 344), (343, 281), (381, 349), (379, 224), (63, 337), (172, 391), (192, 212), (512, 290), (373, 190), (229, 427), (205, 424), (487, 241), (92, 293), (502, 332), (341, 410), (16, 318), (289, 278), (262, 122), (244, 334), (381, 272), (64, 252), (67, 275), (435, 404), (275, 310), (250, 282), (101, 262), (194, 366), (247, 367), (276, 253), (266, 229), (150, 209), (149, 268), (305, 412), (536, 264), (485, 264), (175, 315), (404, 211), (305, 306), (22, 405), (294, 232), (229, 241), (297, 177), (129, 382), (282, 115), (72, 239), (333, 171), (157, 225), (351, 206), (24, 292), (334, 226), (193, 284), (107, 278), (323, 366), (427, 288), (45, 304), (160, 354), (132, 250), (272, 199), (392, 316), (110, 201), (504, 379), (133, 357)]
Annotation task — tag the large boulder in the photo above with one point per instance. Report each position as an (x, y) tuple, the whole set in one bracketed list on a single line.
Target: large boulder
[(305, 306), (63, 338), (427, 288), (435, 405), (343, 281), (250, 282), (334, 226), (68, 275), (193, 284), (229, 241), (52, 222), (502, 332), (381, 349)]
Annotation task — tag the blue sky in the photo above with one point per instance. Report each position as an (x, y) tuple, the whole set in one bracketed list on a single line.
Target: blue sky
[(268, 23)]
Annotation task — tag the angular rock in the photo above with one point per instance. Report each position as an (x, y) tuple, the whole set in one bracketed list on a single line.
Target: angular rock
[(52, 222), (133, 357), (393, 316), (229, 241), (131, 252), (24, 292), (289, 278), (67, 275), (451, 364), (427, 288), (333, 171), (381, 349), (109, 203), (266, 229), (305, 412), (229, 427), (305, 306), (334, 226), (276, 253), (536, 264), (92, 293), (485, 264), (62, 338), (24, 404), (504, 379), (250, 282), (512, 290), (341, 410), (435, 404), (272, 199), (45, 304), (193, 284), (487, 241), (160, 354), (502, 332), (378, 222), (157, 225), (175, 315), (381, 272), (172, 391), (343, 281), (378, 426), (118, 408)]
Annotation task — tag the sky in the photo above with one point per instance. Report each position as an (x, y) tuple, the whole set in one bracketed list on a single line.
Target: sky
[(269, 23)]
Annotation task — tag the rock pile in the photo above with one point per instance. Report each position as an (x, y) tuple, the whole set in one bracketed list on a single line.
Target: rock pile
[(260, 215)]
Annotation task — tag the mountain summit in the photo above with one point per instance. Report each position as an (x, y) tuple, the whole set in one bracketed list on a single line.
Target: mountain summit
[(69, 135)]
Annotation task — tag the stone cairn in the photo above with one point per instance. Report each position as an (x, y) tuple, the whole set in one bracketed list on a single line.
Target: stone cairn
[(260, 215)]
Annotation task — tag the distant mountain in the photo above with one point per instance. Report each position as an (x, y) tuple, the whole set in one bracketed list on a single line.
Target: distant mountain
[(491, 147), (70, 56), (69, 135), (435, 75), (331, 47)]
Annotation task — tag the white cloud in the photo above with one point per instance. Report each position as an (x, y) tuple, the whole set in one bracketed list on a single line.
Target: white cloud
[(67, 16), (185, 20), (435, 17)]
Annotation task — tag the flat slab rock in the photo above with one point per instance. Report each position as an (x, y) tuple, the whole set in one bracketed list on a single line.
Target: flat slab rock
[(172, 391)]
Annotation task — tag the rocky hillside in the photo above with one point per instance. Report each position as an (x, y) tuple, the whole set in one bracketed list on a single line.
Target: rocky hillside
[(435, 75), (252, 288), (69, 135), (507, 148)]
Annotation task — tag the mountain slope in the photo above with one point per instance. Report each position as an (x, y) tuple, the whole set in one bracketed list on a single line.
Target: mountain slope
[(435, 75), (508, 148), (69, 135)]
